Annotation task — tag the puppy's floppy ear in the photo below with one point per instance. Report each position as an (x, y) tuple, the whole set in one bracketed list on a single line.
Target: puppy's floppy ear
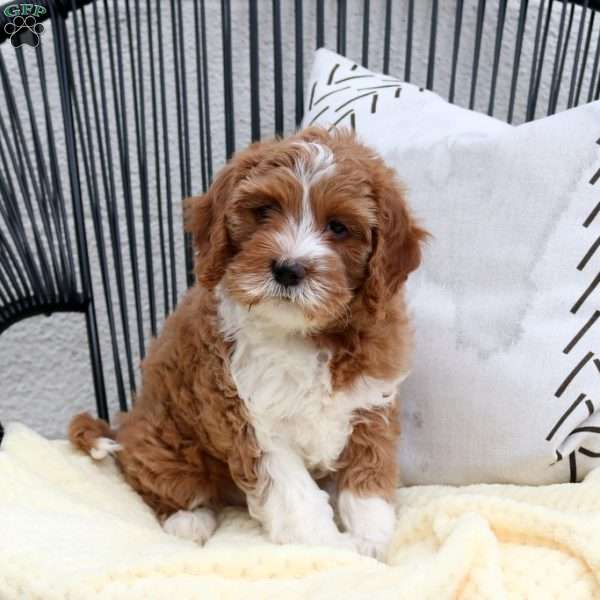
[(396, 247), (205, 219), (206, 216)]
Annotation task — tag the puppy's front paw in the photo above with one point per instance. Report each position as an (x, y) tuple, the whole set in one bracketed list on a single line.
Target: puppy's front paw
[(323, 533), (372, 548), (370, 521), (196, 525)]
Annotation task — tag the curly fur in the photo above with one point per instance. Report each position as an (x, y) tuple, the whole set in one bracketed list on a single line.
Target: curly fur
[(252, 392)]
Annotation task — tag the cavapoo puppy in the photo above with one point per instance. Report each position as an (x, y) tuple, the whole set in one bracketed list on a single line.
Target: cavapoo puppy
[(278, 370)]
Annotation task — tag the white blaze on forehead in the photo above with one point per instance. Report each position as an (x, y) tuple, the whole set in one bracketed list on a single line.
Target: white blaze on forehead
[(301, 239), (316, 162)]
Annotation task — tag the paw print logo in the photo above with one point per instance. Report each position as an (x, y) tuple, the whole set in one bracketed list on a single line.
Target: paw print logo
[(24, 30)]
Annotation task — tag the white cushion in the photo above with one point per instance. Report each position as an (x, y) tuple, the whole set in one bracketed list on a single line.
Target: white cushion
[(505, 385)]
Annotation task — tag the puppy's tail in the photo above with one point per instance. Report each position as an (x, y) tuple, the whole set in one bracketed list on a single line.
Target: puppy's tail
[(93, 436)]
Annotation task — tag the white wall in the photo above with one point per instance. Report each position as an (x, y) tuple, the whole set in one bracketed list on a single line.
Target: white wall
[(45, 374)]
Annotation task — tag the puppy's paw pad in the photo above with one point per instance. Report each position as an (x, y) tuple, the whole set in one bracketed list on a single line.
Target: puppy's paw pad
[(103, 447), (197, 525)]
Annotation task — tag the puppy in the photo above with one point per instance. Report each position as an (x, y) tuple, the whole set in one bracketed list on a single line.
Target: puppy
[(278, 369)]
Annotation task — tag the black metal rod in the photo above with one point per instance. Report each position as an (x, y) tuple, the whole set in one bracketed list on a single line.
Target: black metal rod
[(455, 48), (227, 78), (277, 67), (365, 32), (432, 44), (254, 71), (577, 54), (341, 27), (586, 51), (320, 23), (540, 66), (556, 66), (206, 95), (157, 163), (199, 77), (167, 155), (387, 36), (477, 51), (497, 51), (299, 61), (595, 71), (517, 59), (186, 183)]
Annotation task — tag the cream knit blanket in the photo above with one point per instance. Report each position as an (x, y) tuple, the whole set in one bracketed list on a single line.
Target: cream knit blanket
[(70, 528)]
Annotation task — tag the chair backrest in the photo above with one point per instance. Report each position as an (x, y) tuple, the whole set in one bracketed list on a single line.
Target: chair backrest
[(127, 106)]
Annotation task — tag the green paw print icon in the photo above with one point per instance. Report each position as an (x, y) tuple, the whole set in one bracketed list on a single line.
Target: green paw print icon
[(24, 30)]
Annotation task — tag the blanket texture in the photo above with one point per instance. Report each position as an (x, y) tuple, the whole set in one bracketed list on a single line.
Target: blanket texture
[(71, 528)]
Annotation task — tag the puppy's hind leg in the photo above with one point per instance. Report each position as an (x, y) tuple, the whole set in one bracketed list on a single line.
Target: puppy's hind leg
[(171, 474)]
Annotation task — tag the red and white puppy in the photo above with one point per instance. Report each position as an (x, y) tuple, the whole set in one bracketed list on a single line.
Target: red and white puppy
[(279, 367)]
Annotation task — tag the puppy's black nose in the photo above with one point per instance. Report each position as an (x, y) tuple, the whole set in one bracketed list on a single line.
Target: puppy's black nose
[(288, 274)]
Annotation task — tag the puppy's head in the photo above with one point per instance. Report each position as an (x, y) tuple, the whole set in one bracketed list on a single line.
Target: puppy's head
[(305, 230)]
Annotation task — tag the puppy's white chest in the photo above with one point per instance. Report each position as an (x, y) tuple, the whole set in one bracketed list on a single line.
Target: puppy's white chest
[(286, 387), (285, 383)]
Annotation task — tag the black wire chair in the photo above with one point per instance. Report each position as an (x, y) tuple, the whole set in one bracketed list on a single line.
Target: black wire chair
[(126, 107)]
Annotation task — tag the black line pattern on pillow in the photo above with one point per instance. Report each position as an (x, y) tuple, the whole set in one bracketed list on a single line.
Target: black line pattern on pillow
[(318, 115), (335, 68), (590, 407), (573, 467), (336, 81), (565, 416), (582, 332), (574, 372), (588, 358), (589, 453), (585, 429), (589, 254), (586, 294), (596, 210), (592, 216), (596, 175)]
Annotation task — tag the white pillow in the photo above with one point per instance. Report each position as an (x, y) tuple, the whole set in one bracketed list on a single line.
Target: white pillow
[(505, 385)]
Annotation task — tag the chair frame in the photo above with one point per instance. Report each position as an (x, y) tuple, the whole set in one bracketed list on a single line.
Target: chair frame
[(106, 123)]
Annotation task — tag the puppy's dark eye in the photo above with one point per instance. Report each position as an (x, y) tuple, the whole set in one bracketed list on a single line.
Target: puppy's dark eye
[(338, 229), (263, 212)]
